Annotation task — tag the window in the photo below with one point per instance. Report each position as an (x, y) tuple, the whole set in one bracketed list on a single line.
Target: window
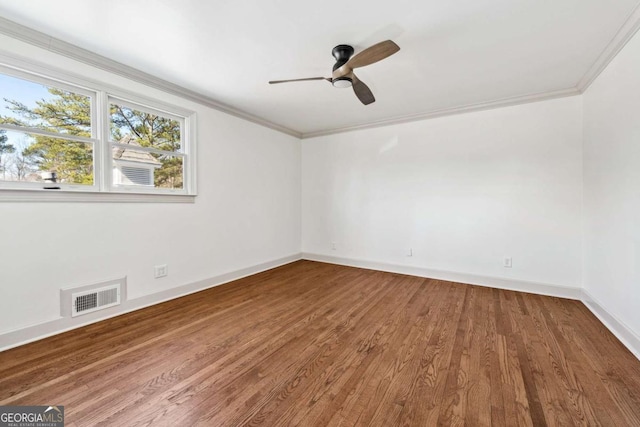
[(146, 146), (44, 129), (69, 136)]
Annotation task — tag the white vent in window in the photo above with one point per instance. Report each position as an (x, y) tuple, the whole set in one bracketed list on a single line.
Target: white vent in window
[(137, 176), (95, 299)]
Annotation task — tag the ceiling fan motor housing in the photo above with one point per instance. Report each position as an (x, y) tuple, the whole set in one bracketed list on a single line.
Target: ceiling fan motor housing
[(342, 53)]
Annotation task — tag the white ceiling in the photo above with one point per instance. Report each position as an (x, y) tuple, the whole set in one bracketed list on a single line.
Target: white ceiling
[(453, 53)]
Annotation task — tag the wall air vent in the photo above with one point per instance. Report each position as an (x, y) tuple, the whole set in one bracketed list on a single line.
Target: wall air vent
[(87, 299), (95, 299)]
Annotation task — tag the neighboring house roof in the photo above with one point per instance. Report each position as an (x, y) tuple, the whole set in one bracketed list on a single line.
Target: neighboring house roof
[(131, 154)]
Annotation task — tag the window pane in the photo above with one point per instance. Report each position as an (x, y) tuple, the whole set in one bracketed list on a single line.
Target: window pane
[(25, 103), (133, 167), (170, 174), (25, 157), (146, 129)]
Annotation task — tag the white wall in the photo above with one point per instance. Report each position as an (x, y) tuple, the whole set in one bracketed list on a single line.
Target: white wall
[(612, 190), (247, 212), (462, 191)]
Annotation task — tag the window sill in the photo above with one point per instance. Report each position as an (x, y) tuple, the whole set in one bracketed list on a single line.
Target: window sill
[(63, 196)]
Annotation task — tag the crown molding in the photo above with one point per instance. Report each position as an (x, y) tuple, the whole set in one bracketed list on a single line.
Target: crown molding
[(621, 38), (52, 44), (499, 103)]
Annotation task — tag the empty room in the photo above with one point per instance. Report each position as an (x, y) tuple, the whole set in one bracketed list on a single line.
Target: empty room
[(278, 213)]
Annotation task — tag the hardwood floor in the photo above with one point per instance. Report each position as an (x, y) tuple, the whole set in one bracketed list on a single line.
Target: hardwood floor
[(315, 344)]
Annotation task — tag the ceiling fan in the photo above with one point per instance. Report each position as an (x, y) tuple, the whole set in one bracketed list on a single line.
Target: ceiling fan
[(343, 75)]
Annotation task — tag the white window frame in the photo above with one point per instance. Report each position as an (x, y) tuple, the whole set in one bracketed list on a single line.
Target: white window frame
[(183, 152), (101, 96)]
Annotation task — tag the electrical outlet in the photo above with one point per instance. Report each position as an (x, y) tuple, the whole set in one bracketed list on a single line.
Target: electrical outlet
[(160, 270), (333, 246), (410, 252), (507, 262)]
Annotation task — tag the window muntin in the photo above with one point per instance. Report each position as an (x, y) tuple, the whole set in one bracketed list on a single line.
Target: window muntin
[(87, 135)]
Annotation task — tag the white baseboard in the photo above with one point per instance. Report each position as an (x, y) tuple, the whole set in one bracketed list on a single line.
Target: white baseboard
[(617, 327), (611, 322), (468, 278), (62, 324)]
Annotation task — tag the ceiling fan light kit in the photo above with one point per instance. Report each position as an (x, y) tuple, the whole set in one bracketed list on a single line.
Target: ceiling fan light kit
[(343, 76), (342, 82)]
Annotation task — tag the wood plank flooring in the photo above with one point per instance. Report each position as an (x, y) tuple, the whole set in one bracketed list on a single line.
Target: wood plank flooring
[(315, 344)]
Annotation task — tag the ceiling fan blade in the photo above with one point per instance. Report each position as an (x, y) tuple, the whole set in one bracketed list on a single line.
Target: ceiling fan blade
[(375, 53), (272, 82), (362, 91)]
